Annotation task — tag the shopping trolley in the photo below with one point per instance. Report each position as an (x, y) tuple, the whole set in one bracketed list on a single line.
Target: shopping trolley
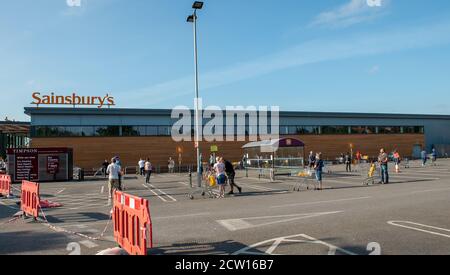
[(306, 177)]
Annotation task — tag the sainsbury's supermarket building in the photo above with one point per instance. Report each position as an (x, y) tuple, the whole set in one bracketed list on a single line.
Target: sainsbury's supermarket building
[(97, 134)]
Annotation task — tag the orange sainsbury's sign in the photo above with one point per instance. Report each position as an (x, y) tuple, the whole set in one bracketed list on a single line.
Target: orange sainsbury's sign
[(73, 99)]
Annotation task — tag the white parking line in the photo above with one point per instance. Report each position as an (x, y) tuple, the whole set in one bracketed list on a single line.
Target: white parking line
[(181, 216), (319, 202), (401, 224), (300, 239), (431, 190), (260, 188), (88, 244), (156, 194), (164, 193), (246, 223)]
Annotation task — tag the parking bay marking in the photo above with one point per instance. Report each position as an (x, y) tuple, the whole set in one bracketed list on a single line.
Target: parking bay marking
[(301, 238), (319, 202), (158, 195), (405, 224), (245, 223)]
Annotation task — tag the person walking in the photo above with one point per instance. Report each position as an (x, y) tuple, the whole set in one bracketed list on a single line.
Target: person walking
[(231, 174), (219, 168), (311, 160), (148, 171), (119, 163), (141, 165), (397, 161), (348, 162), (171, 165), (2, 166), (358, 157), (114, 172), (383, 159), (424, 157), (318, 167), (105, 165), (433, 156)]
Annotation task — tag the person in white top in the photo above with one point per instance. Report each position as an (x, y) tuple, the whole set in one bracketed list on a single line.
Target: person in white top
[(170, 165), (2, 165), (148, 171), (141, 164), (219, 168), (114, 172)]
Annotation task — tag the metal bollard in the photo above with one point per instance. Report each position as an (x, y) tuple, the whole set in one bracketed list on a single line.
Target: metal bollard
[(190, 177)]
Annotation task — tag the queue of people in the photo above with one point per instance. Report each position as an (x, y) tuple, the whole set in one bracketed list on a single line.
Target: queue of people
[(223, 173)]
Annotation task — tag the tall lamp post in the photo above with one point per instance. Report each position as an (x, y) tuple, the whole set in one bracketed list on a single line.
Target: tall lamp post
[(193, 19)]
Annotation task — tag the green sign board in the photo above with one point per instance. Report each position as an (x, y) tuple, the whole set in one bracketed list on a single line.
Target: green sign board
[(214, 149)]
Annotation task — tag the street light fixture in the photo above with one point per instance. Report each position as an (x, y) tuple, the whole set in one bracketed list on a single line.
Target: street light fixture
[(198, 5), (193, 19)]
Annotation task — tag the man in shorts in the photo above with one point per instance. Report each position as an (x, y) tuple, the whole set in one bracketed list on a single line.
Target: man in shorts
[(219, 168), (114, 172)]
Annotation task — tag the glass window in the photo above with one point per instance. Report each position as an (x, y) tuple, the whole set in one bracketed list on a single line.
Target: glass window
[(71, 132), (334, 130), (107, 131), (413, 130), (284, 130), (389, 130), (87, 131), (151, 131), (133, 131), (358, 130), (164, 130), (310, 130)]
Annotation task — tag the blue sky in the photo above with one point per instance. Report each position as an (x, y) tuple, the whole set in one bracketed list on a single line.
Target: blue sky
[(301, 55)]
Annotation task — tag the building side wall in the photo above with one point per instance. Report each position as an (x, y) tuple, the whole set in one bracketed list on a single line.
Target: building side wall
[(89, 152)]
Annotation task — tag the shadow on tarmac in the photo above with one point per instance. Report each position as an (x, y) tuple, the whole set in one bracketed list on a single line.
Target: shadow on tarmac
[(196, 248), (30, 242)]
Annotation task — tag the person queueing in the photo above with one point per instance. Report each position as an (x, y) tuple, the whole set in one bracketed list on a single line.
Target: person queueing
[(433, 156), (397, 161), (348, 162), (318, 167), (114, 171), (231, 174), (141, 164), (383, 159), (312, 160), (148, 171), (219, 168), (424, 157), (105, 165)]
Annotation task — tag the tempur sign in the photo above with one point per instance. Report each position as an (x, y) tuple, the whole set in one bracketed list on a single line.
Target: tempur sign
[(74, 100)]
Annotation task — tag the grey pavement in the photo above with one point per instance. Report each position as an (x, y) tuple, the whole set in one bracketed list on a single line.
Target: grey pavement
[(408, 216)]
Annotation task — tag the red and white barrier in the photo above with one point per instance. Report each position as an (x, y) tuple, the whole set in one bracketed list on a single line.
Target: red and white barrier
[(5, 185), (30, 199), (132, 223)]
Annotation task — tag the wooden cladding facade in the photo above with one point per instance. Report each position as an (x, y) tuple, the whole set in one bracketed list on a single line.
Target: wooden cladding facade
[(90, 152)]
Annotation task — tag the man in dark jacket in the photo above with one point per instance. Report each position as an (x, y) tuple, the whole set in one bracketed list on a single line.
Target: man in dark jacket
[(229, 169)]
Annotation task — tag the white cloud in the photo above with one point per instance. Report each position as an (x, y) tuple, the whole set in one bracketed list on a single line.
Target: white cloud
[(353, 12), (311, 52), (375, 69)]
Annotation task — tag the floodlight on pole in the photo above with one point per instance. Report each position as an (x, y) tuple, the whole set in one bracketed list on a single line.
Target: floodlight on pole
[(198, 5), (193, 19)]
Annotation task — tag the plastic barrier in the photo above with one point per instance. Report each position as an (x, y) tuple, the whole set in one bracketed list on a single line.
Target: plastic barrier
[(30, 198), (5, 185), (132, 223)]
